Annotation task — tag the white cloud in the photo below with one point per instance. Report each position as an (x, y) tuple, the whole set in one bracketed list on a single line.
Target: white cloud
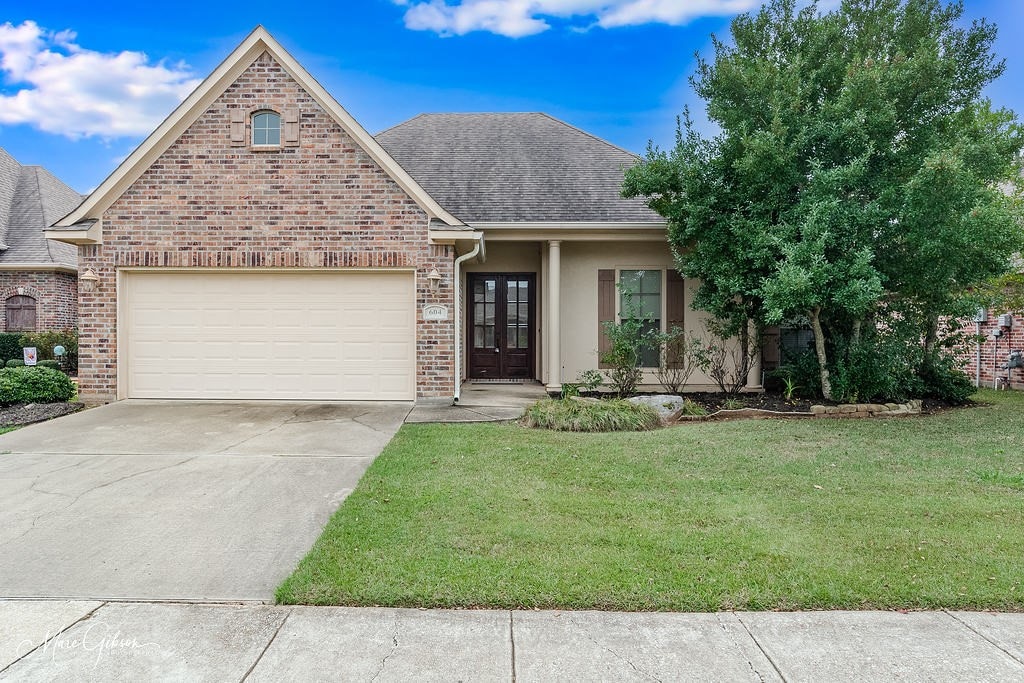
[(57, 86), (518, 18)]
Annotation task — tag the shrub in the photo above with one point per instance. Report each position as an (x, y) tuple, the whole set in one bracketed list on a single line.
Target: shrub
[(942, 379), (34, 385), (10, 346), (591, 416), (726, 361), (15, 363), (628, 339), (692, 408), (52, 364), (679, 354), (46, 341)]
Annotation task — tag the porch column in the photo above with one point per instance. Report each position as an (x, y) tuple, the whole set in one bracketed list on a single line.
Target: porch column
[(756, 363), (554, 323)]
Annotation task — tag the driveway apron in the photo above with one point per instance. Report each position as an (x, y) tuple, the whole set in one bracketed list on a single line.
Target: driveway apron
[(175, 500)]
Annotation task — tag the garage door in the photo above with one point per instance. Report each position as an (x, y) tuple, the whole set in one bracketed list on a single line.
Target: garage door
[(270, 335)]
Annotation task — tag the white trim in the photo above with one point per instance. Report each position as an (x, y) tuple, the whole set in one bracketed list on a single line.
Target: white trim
[(452, 236), (568, 225), (575, 235), (258, 42), (40, 267)]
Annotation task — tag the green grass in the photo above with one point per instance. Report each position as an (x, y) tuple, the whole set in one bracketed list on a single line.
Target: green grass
[(591, 415), (901, 513)]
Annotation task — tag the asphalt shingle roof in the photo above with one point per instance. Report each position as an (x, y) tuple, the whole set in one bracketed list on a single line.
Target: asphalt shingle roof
[(515, 168), (32, 199)]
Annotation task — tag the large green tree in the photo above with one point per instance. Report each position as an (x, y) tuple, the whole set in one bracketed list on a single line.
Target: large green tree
[(858, 174)]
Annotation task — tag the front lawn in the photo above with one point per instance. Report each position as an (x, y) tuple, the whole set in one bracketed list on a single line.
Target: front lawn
[(897, 513)]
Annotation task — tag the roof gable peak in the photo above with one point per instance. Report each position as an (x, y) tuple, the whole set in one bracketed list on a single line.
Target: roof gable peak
[(258, 42)]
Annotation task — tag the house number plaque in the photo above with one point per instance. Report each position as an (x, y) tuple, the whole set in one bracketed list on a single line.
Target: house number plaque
[(435, 312)]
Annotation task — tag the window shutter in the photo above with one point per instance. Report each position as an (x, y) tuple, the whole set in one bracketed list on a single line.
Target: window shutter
[(237, 128), (291, 128), (21, 314), (605, 312), (675, 306)]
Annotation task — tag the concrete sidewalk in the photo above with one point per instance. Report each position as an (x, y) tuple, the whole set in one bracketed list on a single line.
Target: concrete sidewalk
[(83, 640), (487, 402)]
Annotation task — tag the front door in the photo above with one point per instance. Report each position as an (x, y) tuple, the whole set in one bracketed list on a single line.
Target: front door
[(501, 327)]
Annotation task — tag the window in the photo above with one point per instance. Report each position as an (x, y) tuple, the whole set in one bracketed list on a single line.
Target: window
[(266, 128), (21, 314), (640, 296)]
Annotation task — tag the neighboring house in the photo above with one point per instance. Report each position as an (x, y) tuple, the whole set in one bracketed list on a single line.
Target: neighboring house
[(987, 361), (38, 277), (261, 244)]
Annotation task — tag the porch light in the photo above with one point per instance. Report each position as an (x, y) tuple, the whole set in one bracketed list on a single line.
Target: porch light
[(89, 280), (434, 278)]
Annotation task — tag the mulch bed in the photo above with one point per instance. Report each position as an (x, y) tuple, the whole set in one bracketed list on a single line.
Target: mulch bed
[(766, 401), (28, 413)]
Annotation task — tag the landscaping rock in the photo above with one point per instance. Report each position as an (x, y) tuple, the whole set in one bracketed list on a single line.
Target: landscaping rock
[(819, 410), (28, 413), (666, 404)]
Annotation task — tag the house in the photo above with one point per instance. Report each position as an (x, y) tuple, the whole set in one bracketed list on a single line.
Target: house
[(38, 277), (260, 244)]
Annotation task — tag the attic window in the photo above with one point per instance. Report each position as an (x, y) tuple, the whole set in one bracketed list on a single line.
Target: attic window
[(266, 129)]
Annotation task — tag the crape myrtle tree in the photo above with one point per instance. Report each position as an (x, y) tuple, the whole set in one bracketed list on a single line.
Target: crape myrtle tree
[(858, 179)]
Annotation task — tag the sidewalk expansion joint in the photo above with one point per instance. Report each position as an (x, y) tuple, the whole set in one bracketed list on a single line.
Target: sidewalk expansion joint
[(49, 638), (767, 656), (266, 647), (983, 637)]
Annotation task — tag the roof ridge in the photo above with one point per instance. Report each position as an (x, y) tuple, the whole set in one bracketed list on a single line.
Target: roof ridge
[(589, 135), (402, 123)]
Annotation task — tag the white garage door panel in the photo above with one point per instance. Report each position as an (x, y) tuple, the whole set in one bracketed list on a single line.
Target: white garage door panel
[(309, 336)]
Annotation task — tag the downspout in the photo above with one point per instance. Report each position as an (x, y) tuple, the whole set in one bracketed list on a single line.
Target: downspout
[(977, 345), (458, 315)]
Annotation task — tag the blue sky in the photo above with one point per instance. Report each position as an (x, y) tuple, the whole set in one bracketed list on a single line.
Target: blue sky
[(81, 84)]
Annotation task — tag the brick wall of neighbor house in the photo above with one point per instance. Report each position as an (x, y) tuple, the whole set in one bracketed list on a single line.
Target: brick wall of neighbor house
[(56, 296), (993, 353), (204, 203)]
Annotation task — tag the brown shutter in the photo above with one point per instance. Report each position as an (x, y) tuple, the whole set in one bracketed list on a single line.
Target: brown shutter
[(237, 128), (291, 127), (675, 306), (605, 311), (21, 314)]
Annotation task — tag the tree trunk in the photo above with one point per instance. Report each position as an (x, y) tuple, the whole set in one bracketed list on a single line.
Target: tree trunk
[(931, 341), (931, 338), (819, 348)]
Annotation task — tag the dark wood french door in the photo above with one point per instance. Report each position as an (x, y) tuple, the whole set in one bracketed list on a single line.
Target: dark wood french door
[(501, 326)]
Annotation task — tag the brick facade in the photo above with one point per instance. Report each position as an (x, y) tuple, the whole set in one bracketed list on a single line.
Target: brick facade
[(994, 352), (205, 203), (56, 296)]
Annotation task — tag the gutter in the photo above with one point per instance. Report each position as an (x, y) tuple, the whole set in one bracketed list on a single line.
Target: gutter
[(478, 250)]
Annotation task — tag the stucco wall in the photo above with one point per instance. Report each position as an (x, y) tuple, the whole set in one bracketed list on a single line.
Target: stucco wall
[(579, 315), (206, 203)]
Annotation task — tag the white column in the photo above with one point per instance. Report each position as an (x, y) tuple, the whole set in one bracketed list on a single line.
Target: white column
[(754, 378), (554, 322)]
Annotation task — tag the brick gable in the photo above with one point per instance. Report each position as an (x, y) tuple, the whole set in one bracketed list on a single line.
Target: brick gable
[(207, 204)]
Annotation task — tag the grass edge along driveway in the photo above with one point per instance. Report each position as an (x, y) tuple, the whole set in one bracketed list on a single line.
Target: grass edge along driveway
[(812, 514)]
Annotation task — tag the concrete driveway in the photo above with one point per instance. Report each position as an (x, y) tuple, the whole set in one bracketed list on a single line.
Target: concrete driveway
[(162, 500)]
